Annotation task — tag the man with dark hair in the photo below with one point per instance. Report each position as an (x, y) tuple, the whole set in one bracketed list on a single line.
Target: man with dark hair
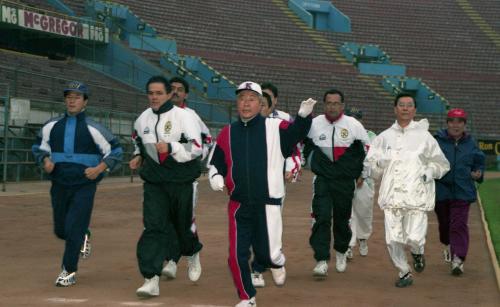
[(457, 190), (408, 159), (337, 146), (248, 159), (75, 151), (272, 91), (180, 91), (167, 147), (267, 105)]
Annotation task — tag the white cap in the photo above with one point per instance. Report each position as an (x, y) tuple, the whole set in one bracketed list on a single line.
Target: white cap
[(251, 86)]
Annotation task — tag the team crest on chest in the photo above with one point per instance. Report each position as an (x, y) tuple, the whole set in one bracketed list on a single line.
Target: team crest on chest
[(146, 130), (344, 133), (322, 137), (168, 127)]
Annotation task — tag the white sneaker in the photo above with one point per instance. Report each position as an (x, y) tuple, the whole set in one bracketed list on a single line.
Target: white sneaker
[(258, 280), (65, 279), (457, 266), (151, 287), (447, 254), (247, 303), (321, 269), (341, 263), (363, 247), (279, 276), (349, 254), (170, 270), (194, 267)]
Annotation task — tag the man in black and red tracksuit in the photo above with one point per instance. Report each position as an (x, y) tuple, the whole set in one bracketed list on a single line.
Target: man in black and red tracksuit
[(167, 148), (337, 143), (249, 154)]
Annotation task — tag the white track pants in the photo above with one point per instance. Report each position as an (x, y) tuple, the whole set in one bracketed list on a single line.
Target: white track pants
[(404, 227), (362, 212)]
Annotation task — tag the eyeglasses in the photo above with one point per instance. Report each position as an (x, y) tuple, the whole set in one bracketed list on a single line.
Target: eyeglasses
[(334, 103)]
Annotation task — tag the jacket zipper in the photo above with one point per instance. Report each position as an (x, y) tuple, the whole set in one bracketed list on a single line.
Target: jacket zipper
[(454, 162), (247, 158), (156, 135)]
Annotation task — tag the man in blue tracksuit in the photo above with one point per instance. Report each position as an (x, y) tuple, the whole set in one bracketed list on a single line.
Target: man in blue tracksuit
[(456, 190), (75, 151), (248, 160)]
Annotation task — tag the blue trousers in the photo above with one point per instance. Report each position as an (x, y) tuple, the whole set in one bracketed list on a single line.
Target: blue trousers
[(72, 209)]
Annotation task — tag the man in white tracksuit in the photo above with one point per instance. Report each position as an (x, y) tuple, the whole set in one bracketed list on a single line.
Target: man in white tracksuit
[(409, 159), (362, 204)]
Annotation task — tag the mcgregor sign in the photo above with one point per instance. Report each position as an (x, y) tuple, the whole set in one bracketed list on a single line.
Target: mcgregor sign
[(46, 23)]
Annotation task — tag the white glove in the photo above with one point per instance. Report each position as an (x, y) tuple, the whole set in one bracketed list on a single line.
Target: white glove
[(217, 182), (306, 107)]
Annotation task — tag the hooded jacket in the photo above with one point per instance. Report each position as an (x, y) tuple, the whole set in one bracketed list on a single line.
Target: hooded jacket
[(408, 159), (464, 157)]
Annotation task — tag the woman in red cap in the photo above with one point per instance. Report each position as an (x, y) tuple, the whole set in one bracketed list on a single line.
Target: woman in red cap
[(456, 190)]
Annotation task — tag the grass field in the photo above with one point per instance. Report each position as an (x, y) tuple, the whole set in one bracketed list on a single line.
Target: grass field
[(490, 197)]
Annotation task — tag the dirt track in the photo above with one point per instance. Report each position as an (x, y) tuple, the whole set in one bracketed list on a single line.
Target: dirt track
[(30, 259)]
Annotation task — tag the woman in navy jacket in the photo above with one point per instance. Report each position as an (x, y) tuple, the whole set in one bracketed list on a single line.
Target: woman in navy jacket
[(456, 190)]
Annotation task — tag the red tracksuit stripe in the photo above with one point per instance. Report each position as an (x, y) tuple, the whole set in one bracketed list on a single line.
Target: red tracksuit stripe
[(224, 141), (234, 266)]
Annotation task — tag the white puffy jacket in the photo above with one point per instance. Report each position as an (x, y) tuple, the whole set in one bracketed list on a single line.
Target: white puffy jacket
[(409, 160)]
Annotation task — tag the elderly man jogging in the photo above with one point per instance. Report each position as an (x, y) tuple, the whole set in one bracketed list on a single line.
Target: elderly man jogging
[(248, 159)]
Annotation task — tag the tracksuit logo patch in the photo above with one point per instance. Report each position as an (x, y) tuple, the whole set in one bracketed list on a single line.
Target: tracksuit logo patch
[(168, 127)]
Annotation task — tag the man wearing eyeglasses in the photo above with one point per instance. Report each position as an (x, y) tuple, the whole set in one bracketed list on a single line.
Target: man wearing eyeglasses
[(337, 143), (408, 159)]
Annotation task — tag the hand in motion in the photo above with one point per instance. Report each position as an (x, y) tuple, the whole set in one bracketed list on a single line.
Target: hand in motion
[(135, 163), (162, 147), (306, 107), (359, 182), (92, 172), (289, 176), (476, 174), (48, 165)]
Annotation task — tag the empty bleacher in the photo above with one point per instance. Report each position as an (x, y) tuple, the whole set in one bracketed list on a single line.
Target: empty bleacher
[(38, 77), (487, 10), (268, 47), (422, 34), (440, 44), (260, 40)]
